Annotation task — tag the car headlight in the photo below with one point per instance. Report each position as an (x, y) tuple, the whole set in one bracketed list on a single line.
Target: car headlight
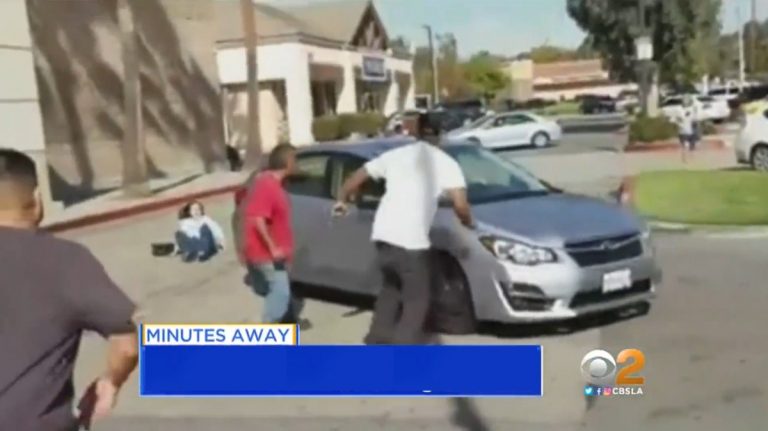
[(518, 252)]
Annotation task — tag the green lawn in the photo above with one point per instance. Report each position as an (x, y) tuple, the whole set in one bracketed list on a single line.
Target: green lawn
[(703, 197), (562, 108)]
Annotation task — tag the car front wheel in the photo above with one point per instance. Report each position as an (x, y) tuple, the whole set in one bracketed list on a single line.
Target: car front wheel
[(453, 311), (760, 158)]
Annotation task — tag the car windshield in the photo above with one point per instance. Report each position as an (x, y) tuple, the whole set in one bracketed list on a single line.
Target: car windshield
[(490, 178)]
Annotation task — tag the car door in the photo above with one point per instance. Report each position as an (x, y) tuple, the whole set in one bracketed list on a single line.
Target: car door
[(353, 255), (311, 203), (501, 133)]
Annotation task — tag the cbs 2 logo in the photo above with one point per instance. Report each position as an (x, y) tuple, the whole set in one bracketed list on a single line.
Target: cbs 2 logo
[(600, 368)]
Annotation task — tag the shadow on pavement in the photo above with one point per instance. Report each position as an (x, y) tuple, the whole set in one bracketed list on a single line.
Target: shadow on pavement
[(565, 327)]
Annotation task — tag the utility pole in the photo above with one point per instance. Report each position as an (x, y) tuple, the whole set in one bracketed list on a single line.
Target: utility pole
[(741, 49), (433, 65), (753, 38), (135, 175), (253, 149)]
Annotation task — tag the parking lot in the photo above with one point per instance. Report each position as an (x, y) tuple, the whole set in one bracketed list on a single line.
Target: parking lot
[(703, 338)]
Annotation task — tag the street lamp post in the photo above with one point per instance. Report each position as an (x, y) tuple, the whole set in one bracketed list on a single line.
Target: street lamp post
[(644, 53), (433, 65), (644, 50)]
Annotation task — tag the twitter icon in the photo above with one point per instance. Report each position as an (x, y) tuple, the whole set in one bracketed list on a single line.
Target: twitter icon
[(589, 390)]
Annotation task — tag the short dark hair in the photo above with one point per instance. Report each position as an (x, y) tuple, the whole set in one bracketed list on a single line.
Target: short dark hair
[(17, 167), (278, 157), (186, 211)]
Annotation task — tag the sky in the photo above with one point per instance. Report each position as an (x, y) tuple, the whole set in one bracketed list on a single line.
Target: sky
[(506, 27)]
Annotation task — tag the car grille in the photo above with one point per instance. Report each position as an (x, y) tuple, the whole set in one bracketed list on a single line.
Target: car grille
[(605, 250), (597, 296)]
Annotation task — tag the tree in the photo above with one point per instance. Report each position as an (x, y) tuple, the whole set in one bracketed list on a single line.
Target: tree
[(135, 173), (485, 76), (551, 54), (684, 34), (253, 151), (453, 84)]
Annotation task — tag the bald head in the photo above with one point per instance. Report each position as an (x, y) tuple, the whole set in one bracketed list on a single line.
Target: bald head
[(18, 180)]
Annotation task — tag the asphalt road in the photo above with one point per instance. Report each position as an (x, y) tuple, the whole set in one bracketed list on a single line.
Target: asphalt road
[(704, 342), (574, 143)]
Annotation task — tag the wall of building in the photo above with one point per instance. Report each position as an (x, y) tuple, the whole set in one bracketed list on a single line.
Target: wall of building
[(78, 63), (21, 124)]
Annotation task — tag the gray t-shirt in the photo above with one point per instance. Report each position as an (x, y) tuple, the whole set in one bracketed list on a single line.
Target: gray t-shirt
[(50, 291)]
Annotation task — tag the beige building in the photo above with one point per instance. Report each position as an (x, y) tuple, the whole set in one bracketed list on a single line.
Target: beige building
[(21, 124), (315, 60), (563, 80), (78, 71)]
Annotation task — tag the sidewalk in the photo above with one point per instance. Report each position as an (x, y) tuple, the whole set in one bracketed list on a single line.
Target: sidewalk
[(167, 192)]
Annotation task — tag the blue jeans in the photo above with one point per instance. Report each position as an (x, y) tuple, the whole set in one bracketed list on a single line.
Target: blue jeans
[(280, 306), (200, 248)]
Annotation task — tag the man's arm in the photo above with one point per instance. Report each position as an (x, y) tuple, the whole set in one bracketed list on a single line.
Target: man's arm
[(122, 357), (461, 206), (262, 228)]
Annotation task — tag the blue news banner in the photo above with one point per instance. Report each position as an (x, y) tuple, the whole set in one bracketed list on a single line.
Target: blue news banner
[(267, 360)]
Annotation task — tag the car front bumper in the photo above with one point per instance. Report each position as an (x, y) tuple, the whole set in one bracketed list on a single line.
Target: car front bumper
[(569, 290)]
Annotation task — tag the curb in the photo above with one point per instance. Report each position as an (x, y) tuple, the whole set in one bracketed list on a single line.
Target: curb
[(626, 198), (668, 146), (134, 210)]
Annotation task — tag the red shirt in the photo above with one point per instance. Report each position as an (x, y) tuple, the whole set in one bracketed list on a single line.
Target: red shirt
[(267, 200)]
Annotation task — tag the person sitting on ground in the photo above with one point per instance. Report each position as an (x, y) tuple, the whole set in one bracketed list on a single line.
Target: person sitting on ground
[(199, 237)]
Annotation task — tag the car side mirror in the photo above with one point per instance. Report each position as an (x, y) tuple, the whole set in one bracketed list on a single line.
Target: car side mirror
[(552, 188)]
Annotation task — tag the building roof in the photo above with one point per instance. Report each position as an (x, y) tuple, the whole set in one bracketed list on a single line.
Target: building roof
[(578, 70), (335, 21)]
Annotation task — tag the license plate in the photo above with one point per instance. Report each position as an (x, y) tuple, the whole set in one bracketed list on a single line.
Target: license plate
[(617, 280)]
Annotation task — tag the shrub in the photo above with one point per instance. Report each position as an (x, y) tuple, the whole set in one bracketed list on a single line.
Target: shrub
[(326, 128), (364, 124), (649, 129)]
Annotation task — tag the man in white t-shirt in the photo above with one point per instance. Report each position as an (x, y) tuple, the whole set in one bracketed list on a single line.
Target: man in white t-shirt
[(415, 175)]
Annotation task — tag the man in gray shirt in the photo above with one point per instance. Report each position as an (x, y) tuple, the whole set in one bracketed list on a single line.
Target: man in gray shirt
[(51, 291)]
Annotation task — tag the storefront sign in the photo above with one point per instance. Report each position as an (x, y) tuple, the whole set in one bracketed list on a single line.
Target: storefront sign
[(374, 69)]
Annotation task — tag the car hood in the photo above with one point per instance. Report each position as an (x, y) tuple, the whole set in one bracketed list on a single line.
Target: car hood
[(555, 219)]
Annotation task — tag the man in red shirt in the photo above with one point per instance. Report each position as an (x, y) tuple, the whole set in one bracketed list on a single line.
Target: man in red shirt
[(267, 243)]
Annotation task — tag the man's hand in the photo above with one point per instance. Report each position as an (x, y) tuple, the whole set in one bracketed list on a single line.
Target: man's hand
[(277, 253), (97, 402), (340, 209)]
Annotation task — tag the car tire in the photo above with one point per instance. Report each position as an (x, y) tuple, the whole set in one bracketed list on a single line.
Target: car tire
[(759, 158), (540, 140), (452, 310)]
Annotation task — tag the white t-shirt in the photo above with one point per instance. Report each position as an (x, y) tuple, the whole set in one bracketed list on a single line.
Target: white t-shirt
[(415, 175), (191, 227)]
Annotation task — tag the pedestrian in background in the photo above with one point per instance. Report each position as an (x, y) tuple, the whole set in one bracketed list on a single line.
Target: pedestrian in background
[(416, 176), (687, 122), (52, 290), (268, 238)]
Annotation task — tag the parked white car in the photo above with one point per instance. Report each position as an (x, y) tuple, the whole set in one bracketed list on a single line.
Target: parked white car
[(752, 141), (710, 109), (509, 129)]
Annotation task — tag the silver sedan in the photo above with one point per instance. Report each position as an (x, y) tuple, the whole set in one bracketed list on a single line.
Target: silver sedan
[(538, 254)]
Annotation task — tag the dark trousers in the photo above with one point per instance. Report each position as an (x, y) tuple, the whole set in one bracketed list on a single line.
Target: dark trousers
[(402, 308), (200, 248)]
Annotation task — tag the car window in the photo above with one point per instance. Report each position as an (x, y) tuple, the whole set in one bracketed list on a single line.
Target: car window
[(706, 99), (512, 120), (672, 102), (311, 177), (343, 166)]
